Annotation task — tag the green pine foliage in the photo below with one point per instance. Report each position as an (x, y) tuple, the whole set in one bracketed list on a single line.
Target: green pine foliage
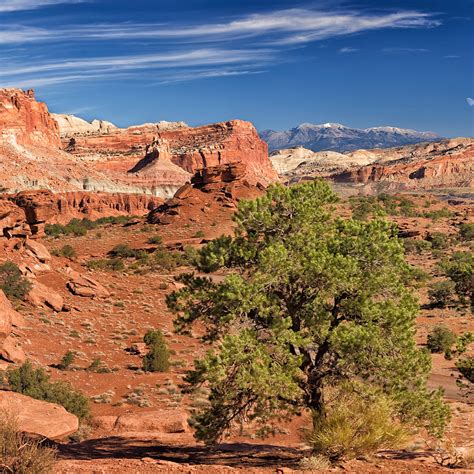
[(307, 301), (12, 282), (460, 268), (157, 358)]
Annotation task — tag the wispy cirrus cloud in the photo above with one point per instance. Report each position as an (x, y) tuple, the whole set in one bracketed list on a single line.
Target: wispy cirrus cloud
[(236, 46), (405, 50), (348, 50), (284, 27), (470, 101), (21, 5), (42, 74)]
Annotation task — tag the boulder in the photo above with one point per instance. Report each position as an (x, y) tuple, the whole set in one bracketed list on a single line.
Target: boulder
[(41, 295), (161, 421), (83, 285), (11, 351), (38, 417), (38, 250)]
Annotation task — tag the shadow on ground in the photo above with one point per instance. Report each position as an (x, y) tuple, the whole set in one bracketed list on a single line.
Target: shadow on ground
[(234, 455)]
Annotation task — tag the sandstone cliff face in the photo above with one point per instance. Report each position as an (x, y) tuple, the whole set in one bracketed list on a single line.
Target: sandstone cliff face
[(446, 164), (26, 213), (25, 121), (149, 152)]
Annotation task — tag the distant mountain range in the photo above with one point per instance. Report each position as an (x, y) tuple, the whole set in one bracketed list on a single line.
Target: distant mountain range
[(337, 137)]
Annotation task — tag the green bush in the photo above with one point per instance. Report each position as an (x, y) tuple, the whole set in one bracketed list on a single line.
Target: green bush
[(438, 240), (466, 367), (21, 454), (356, 425), (156, 240), (460, 268), (157, 358), (440, 339), (466, 231), (12, 282), (122, 251), (407, 207), (113, 264), (66, 251), (416, 245), (364, 207), (67, 359), (441, 293), (438, 214), (36, 384)]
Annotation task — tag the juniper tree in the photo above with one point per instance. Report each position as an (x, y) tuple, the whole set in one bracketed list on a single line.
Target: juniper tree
[(309, 300)]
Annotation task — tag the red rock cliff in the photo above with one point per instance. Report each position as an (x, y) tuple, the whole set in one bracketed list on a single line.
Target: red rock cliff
[(25, 120)]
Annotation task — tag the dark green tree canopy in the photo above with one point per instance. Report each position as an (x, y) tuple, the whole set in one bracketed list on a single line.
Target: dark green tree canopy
[(307, 300)]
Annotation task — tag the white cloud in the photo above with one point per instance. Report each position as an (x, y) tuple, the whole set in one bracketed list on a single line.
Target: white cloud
[(44, 74), (348, 50), (405, 50), (19, 5), (285, 27), (470, 101)]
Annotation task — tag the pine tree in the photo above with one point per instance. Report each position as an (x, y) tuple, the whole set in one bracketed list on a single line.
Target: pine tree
[(309, 301)]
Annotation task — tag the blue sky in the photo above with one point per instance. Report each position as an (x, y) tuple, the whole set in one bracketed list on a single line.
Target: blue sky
[(276, 63)]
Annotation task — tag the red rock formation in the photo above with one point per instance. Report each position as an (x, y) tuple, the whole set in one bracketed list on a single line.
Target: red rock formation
[(448, 164), (139, 150), (25, 120), (212, 195), (27, 212)]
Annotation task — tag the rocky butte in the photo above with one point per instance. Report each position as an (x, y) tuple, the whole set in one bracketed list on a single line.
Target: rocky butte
[(69, 156)]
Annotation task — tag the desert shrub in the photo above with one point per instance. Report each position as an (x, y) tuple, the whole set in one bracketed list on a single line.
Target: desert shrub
[(440, 339), (12, 282), (416, 245), (438, 214), (66, 251), (21, 454), (199, 234), (356, 424), (407, 207), (466, 231), (364, 207), (438, 240), (157, 358), (441, 293), (36, 383), (67, 359), (460, 268), (389, 202), (113, 264), (155, 240), (466, 367), (122, 251), (80, 227), (165, 260)]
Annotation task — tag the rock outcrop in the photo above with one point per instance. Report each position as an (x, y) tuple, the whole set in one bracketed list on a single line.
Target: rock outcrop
[(37, 417), (27, 212), (154, 156), (213, 192), (70, 126), (24, 121), (440, 165), (85, 286), (10, 322)]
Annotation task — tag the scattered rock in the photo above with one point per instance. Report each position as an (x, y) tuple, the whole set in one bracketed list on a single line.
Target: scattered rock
[(39, 417)]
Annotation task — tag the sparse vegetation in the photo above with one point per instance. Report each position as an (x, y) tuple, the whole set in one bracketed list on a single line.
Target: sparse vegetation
[(12, 282), (466, 231), (440, 339), (80, 227), (466, 367), (441, 293), (36, 383), (157, 358), (460, 268), (356, 424), (66, 361), (66, 251), (21, 454)]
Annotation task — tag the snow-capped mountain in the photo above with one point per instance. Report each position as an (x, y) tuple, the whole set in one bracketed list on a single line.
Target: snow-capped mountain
[(337, 137)]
